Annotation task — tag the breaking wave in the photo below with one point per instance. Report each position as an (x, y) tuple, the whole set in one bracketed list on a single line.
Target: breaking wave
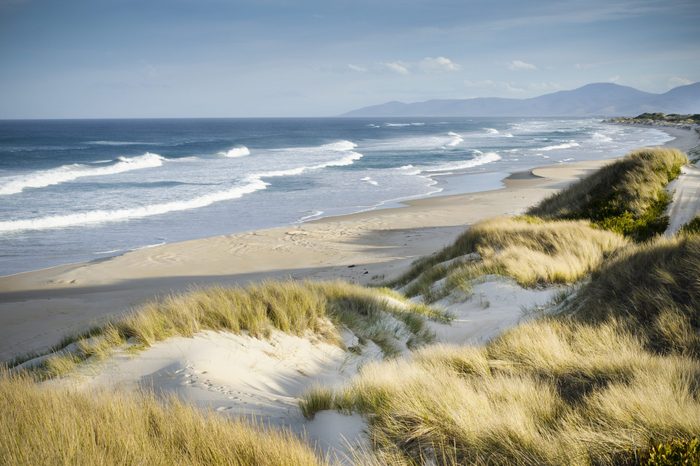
[(65, 173), (566, 145), (481, 158), (249, 184), (234, 152)]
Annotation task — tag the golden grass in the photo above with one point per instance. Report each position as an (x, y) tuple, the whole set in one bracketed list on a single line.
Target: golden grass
[(531, 251), (49, 426), (292, 307), (627, 196), (592, 385), (654, 289), (564, 397)]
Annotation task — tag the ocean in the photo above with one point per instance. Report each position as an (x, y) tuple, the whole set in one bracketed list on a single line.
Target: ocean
[(80, 190)]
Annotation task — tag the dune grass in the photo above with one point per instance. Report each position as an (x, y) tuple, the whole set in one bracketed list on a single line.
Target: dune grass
[(380, 315), (654, 290), (527, 249), (692, 227), (627, 196), (613, 380), (50, 426)]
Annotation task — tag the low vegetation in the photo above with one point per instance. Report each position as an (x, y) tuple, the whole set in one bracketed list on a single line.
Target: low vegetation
[(627, 196), (692, 227), (528, 249), (592, 385), (660, 119), (653, 291), (41, 426), (380, 315)]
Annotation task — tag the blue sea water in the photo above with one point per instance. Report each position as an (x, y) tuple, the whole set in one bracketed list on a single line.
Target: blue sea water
[(77, 190)]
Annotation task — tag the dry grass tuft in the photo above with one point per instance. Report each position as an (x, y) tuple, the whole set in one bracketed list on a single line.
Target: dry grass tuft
[(654, 289), (600, 383), (627, 196), (42, 426), (531, 251), (380, 315)]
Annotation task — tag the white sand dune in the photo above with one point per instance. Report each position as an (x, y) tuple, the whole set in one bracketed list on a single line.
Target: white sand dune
[(241, 376), (495, 305)]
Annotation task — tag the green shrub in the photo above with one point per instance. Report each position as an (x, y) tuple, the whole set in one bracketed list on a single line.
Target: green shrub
[(692, 227), (627, 196), (675, 452)]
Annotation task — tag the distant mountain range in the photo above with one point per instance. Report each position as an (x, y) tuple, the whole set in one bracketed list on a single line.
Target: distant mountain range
[(598, 99)]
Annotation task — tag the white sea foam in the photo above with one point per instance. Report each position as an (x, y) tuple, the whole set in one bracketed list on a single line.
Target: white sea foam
[(600, 137), (111, 251), (402, 125), (340, 147), (306, 218), (410, 170), (495, 132), (103, 216), (234, 152), (443, 141), (481, 158), (62, 174), (566, 145), (455, 140), (369, 180), (250, 184)]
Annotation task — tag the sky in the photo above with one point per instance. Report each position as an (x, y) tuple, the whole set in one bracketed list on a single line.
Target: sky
[(256, 58)]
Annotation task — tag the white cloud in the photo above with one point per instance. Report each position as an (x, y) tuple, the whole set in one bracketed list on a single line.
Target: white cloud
[(397, 67), (614, 79), (518, 65), (679, 81), (359, 69), (438, 64)]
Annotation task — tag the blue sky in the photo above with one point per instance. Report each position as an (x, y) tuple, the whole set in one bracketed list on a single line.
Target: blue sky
[(216, 58)]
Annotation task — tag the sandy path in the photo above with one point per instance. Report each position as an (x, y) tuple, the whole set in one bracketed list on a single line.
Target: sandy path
[(686, 199)]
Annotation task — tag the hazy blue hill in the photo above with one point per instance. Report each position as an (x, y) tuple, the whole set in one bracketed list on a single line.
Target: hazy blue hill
[(683, 99), (598, 99)]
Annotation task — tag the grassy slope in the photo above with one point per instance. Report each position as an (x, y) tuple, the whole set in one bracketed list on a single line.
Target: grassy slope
[(599, 383), (40, 426), (588, 387), (627, 196), (528, 249), (292, 307)]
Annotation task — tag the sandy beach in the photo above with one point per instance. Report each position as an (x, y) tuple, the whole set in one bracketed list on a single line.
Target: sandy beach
[(38, 308)]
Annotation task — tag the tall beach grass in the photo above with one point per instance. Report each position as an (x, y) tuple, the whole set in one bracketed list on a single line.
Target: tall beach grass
[(605, 382), (627, 196), (290, 306), (41, 426), (527, 249)]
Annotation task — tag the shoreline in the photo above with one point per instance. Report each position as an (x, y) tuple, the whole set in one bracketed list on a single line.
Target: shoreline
[(37, 308)]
